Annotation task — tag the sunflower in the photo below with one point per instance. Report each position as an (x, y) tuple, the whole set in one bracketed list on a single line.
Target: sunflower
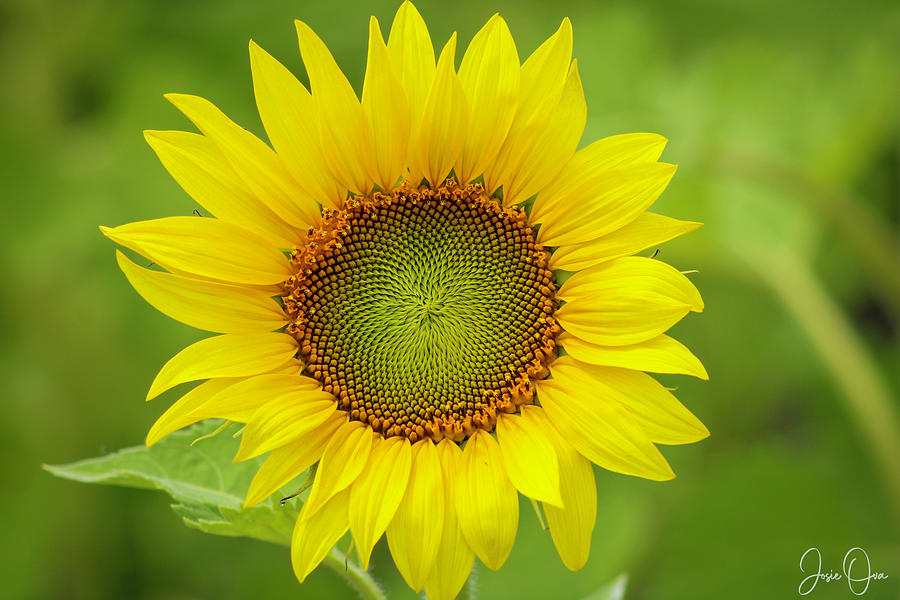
[(427, 293)]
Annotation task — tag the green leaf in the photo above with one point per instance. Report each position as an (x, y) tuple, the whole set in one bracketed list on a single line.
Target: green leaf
[(207, 488), (614, 590), (263, 521)]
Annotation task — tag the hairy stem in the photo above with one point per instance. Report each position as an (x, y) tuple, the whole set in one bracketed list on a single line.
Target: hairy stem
[(359, 579), (470, 588)]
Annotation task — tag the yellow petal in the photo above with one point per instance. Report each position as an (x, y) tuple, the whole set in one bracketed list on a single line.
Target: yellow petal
[(572, 525), (412, 55), (230, 355), (282, 419), (289, 116), (486, 501), (240, 401), (343, 460), (528, 454), (541, 82), (664, 419), (438, 138), (346, 136), (454, 555), (256, 164), (292, 367), (216, 307), (633, 321), (386, 108), (625, 301), (649, 229), (377, 493), (606, 154), (489, 76), (597, 206), (414, 534), (289, 461), (544, 73), (651, 275), (660, 354), (313, 538), (602, 431), (205, 247), (199, 167), (179, 414), (534, 153)]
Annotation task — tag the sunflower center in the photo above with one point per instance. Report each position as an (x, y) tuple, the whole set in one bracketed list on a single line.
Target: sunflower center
[(425, 312)]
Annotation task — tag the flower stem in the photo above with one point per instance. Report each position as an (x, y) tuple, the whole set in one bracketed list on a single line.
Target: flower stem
[(470, 589), (355, 576)]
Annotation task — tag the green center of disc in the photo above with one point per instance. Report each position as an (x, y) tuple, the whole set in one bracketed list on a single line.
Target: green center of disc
[(424, 312)]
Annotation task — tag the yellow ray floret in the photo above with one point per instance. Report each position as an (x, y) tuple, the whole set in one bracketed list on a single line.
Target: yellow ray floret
[(289, 116), (648, 229), (414, 534), (216, 307), (346, 135), (239, 402), (202, 170), (256, 164), (454, 556), (438, 137), (289, 461), (660, 354), (489, 77), (486, 501), (377, 493), (205, 248), (387, 110), (528, 455), (571, 524), (230, 355)]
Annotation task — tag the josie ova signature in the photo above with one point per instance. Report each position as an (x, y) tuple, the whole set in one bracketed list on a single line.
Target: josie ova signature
[(857, 571)]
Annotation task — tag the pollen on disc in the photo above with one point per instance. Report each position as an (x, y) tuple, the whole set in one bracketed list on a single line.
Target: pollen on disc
[(425, 312)]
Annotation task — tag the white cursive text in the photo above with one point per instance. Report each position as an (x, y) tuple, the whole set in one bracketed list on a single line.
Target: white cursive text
[(856, 571)]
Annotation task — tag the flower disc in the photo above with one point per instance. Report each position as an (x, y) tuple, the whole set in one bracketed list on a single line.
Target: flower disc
[(425, 312)]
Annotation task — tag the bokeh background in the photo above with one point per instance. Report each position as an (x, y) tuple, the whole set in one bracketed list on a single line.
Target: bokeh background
[(783, 117)]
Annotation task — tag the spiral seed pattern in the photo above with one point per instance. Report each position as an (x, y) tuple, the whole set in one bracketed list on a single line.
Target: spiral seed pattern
[(425, 312)]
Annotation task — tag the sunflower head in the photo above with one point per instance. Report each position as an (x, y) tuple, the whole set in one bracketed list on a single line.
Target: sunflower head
[(426, 291)]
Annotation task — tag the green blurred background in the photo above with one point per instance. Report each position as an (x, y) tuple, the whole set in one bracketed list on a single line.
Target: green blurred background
[(783, 118)]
